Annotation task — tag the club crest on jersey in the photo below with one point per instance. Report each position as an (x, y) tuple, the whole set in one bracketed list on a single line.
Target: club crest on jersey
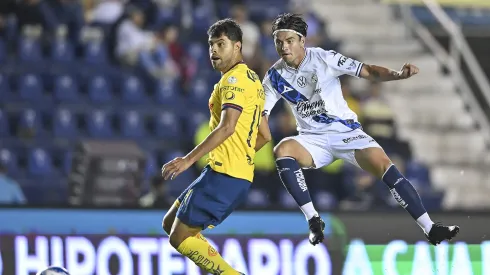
[(232, 80), (301, 81), (314, 78)]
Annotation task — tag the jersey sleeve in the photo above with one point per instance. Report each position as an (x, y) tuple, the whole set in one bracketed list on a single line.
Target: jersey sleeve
[(271, 96), (232, 92), (339, 64)]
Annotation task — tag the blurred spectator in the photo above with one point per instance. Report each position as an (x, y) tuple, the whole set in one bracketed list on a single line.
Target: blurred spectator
[(267, 47), (285, 125), (251, 34), (104, 11), (70, 14), (7, 7), (377, 114), (181, 62), (10, 191), (137, 46), (36, 12), (316, 28), (352, 101), (378, 122), (157, 196)]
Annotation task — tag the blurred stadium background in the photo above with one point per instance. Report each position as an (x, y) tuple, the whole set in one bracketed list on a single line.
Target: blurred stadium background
[(95, 95)]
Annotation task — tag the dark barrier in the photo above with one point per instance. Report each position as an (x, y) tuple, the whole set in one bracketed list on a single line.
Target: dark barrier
[(275, 255)]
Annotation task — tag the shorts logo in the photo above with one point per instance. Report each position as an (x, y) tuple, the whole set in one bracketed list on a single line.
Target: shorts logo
[(301, 180), (301, 81), (347, 140), (212, 252)]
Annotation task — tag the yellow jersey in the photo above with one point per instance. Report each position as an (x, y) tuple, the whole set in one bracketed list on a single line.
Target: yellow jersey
[(239, 88)]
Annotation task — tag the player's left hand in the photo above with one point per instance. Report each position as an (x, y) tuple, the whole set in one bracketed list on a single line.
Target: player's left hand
[(173, 168), (408, 70)]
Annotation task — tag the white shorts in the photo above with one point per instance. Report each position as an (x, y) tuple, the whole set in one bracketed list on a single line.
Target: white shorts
[(326, 148)]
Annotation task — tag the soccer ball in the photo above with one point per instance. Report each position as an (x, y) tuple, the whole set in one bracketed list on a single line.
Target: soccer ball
[(53, 270)]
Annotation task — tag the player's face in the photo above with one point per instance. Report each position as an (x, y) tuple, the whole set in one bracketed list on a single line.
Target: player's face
[(222, 52), (290, 47)]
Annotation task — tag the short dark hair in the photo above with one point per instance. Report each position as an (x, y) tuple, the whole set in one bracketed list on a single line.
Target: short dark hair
[(290, 21), (227, 27)]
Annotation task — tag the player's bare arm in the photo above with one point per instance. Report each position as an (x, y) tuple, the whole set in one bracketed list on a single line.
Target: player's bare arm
[(382, 74), (226, 128), (264, 134)]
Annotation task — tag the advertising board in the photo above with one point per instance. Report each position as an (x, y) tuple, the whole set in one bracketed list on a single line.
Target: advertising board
[(278, 255)]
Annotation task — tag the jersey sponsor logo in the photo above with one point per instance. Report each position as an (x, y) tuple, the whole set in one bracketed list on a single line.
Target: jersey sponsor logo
[(231, 88), (347, 140), (342, 60), (301, 81), (229, 95), (301, 180), (317, 91), (307, 109)]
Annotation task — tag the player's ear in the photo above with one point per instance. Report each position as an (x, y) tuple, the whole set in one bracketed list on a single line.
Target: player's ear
[(238, 46), (302, 41)]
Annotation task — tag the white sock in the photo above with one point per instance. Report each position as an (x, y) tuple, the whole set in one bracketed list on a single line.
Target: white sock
[(425, 222), (309, 210)]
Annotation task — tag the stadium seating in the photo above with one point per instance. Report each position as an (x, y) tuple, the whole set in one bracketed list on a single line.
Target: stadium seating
[(132, 125), (4, 125), (29, 50), (65, 124), (56, 91), (133, 91), (66, 89), (39, 162), (30, 87), (62, 51), (99, 124), (99, 90)]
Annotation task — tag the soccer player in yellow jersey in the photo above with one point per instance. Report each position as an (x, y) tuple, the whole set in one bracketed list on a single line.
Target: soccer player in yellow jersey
[(236, 106)]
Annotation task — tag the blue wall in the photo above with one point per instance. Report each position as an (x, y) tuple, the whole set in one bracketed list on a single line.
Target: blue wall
[(66, 221)]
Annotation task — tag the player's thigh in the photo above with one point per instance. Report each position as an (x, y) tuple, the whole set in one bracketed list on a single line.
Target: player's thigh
[(309, 150), (361, 150), (169, 218), (212, 199)]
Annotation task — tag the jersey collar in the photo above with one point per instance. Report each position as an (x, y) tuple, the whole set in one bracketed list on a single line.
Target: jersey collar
[(236, 64), (301, 64)]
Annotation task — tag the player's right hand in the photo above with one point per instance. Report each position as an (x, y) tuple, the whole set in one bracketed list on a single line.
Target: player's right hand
[(173, 168), (408, 70)]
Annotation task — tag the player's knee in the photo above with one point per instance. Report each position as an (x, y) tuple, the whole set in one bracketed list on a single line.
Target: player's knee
[(177, 237), (174, 239), (384, 164), (283, 149)]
